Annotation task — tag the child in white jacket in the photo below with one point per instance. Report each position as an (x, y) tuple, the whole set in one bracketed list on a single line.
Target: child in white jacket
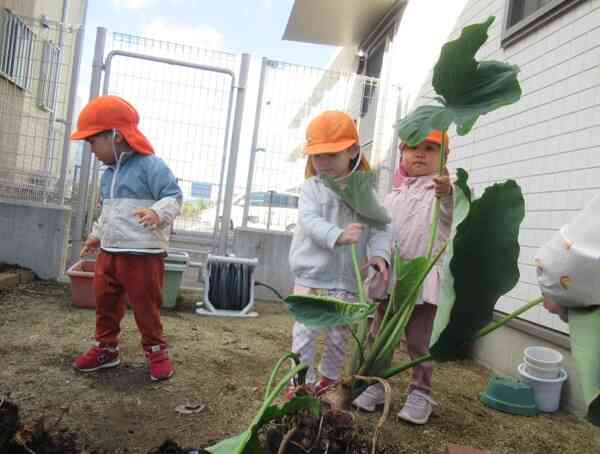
[(319, 256), (568, 266)]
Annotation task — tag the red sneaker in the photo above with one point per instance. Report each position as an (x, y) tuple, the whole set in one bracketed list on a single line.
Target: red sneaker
[(323, 385), (292, 391), (97, 357), (159, 362)]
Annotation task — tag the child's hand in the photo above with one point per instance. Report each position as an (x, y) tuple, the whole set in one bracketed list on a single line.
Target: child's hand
[(147, 217), (442, 185), (351, 234), (90, 246), (557, 309), (379, 265)]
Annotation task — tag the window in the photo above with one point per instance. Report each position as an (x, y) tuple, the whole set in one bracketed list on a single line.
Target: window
[(48, 83), (16, 49), (372, 69), (525, 16)]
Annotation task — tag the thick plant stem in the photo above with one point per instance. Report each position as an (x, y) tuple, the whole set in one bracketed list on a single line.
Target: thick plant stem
[(274, 372), (391, 329), (482, 332), (363, 327), (396, 370), (498, 323), (436, 207), (267, 402), (359, 283)]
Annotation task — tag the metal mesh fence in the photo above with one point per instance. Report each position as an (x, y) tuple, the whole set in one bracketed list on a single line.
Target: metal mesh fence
[(36, 57), (184, 113), (292, 96)]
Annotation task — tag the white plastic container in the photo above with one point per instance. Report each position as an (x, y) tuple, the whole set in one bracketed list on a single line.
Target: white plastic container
[(540, 372), (543, 357), (545, 390)]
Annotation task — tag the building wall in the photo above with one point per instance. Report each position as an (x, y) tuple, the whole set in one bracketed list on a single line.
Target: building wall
[(31, 143), (548, 141), (38, 237)]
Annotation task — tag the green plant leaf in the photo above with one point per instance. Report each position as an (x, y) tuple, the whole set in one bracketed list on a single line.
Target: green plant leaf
[(409, 279), (321, 311), (293, 406), (481, 264), (585, 345), (360, 196), (247, 439), (467, 88)]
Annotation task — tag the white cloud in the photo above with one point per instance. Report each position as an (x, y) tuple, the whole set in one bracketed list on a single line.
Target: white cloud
[(133, 4), (265, 4), (201, 35)]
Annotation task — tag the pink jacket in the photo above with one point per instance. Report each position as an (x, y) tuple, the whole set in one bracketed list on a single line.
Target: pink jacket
[(410, 204)]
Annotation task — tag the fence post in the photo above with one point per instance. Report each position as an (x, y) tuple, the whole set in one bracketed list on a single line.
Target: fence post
[(233, 157), (64, 164), (254, 149), (86, 158)]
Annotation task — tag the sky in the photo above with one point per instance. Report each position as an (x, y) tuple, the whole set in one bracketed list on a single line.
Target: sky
[(237, 26)]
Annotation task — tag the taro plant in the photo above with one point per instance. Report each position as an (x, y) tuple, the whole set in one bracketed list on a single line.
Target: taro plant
[(480, 263)]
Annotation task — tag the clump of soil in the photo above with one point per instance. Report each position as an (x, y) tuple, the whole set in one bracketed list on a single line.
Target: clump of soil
[(36, 437), (307, 434), (171, 447)]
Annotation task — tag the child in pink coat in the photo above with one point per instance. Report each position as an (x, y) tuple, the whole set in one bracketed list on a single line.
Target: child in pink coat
[(411, 205)]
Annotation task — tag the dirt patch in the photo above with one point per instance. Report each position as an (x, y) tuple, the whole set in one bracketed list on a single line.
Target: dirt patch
[(224, 363)]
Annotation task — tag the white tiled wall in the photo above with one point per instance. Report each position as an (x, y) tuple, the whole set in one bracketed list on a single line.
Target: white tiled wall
[(550, 140)]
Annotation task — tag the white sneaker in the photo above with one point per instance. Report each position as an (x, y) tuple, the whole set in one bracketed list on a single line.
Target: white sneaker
[(417, 408), (371, 397)]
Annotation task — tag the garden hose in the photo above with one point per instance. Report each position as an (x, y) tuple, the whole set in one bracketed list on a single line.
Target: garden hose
[(229, 285)]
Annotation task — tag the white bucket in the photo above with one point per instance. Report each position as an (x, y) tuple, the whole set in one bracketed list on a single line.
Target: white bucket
[(540, 372), (545, 390), (543, 357)]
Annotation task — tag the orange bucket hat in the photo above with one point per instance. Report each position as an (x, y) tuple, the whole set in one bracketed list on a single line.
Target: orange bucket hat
[(330, 132), (111, 112), (435, 136)]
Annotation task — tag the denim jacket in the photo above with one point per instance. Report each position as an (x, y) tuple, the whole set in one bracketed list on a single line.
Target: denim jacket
[(136, 181)]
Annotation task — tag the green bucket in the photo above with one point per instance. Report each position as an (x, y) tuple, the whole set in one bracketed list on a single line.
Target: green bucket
[(175, 265), (509, 395)]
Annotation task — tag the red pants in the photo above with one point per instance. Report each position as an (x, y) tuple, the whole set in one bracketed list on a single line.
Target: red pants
[(140, 277)]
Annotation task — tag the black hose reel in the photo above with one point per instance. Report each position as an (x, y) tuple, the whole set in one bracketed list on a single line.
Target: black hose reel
[(228, 287)]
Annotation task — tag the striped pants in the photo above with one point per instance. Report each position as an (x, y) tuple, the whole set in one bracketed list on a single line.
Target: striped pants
[(304, 339)]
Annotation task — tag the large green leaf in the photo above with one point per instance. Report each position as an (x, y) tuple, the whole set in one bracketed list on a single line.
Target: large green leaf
[(481, 264), (321, 311), (247, 443), (462, 204), (358, 193), (466, 88), (409, 279), (585, 345)]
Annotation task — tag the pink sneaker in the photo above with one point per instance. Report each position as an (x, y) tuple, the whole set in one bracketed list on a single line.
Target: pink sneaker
[(418, 407), (97, 357), (370, 398), (159, 362)]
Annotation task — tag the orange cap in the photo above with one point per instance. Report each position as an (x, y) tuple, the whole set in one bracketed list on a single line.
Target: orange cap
[(435, 136), (330, 132), (111, 112)]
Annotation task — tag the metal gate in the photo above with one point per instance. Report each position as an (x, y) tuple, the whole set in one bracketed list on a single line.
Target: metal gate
[(289, 96), (187, 105), (186, 108)]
